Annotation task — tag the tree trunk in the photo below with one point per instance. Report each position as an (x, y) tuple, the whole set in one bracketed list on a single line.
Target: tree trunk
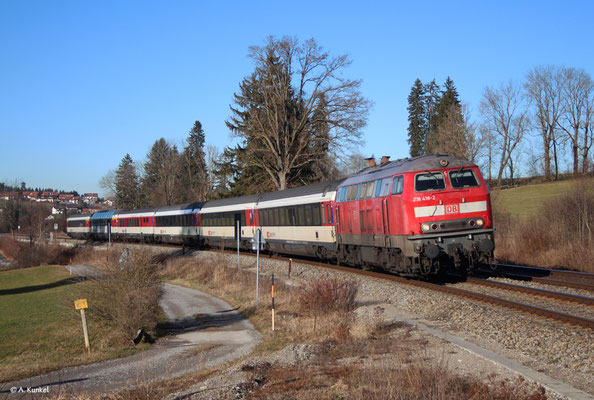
[(547, 159), (575, 159)]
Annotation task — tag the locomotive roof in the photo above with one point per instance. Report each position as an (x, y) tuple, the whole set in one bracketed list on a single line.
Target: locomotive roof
[(421, 163)]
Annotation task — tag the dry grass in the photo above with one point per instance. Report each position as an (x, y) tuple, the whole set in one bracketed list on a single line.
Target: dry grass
[(560, 235), (390, 366), (27, 255)]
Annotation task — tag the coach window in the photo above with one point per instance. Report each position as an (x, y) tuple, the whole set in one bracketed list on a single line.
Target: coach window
[(308, 217), (315, 210), (328, 214), (397, 185), (300, 215)]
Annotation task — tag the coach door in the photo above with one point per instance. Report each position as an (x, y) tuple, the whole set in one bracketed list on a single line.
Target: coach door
[(237, 226)]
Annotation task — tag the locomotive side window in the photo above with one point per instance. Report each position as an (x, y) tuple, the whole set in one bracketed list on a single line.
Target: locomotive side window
[(363, 190), (378, 187), (429, 181), (352, 194), (385, 187), (397, 185), (370, 190), (463, 178)]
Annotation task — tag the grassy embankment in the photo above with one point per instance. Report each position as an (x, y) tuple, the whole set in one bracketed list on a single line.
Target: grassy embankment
[(548, 224), (41, 331), (526, 201)]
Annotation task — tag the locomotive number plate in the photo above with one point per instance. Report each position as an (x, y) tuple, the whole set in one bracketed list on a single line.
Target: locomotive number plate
[(452, 209)]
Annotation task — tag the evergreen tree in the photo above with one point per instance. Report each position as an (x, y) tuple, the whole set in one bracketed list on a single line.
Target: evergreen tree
[(194, 177), (126, 184), (161, 182), (417, 123), (432, 101)]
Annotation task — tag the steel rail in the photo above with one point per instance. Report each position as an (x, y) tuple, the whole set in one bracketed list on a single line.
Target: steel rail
[(545, 272), (589, 301)]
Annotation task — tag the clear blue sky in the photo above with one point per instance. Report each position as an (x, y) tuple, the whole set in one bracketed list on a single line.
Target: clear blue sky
[(82, 83)]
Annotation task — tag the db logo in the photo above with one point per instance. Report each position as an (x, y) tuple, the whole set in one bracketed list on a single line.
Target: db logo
[(452, 209)]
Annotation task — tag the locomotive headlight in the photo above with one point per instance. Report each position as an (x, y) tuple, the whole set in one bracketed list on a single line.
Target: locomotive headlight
[(480, 222), (425, 227)]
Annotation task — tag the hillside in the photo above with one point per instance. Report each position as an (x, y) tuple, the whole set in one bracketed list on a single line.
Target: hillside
[(525, 201)]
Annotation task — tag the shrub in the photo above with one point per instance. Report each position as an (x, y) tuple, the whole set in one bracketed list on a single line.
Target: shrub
[(127, 296), (327, 294)]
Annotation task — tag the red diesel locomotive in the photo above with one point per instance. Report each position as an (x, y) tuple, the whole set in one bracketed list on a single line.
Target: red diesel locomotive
[(415, 216)]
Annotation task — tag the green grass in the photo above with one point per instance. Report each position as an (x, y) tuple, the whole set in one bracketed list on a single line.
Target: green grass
[(40, 330), (525, 201)]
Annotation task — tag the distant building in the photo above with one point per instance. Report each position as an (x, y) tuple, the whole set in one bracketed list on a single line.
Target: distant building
[(90, 198), (9, 195)]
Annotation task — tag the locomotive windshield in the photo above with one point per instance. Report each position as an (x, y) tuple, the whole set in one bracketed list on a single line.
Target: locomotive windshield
[(463, 178), (429, 181)]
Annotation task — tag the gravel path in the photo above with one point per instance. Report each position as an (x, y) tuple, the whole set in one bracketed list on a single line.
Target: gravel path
[(228, 336)]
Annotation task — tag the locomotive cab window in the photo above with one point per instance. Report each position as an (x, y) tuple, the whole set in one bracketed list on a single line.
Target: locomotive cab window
[(463, 178), (429, 181)]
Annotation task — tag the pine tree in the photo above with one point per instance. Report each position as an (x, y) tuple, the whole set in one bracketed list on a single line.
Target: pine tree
[(126, 184), (194, 177), (431, 102), (417, 123)]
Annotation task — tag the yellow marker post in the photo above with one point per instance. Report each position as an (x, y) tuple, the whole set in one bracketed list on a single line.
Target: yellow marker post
[(81, 304)]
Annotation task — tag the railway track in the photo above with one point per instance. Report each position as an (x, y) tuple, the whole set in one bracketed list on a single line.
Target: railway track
[(552, 277)]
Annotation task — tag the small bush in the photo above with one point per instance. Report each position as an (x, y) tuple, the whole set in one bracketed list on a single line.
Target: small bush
[(327, 294), (127, 296)]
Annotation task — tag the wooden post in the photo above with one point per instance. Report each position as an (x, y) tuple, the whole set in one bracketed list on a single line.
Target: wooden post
[(81, 305), (85, 329), (273, 301), (290, 262)]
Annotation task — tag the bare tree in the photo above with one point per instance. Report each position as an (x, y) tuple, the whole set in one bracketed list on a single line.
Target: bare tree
[(108, 183), (576, 114), (296, 99), (504, 118), (456, 134), (544, 89)]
